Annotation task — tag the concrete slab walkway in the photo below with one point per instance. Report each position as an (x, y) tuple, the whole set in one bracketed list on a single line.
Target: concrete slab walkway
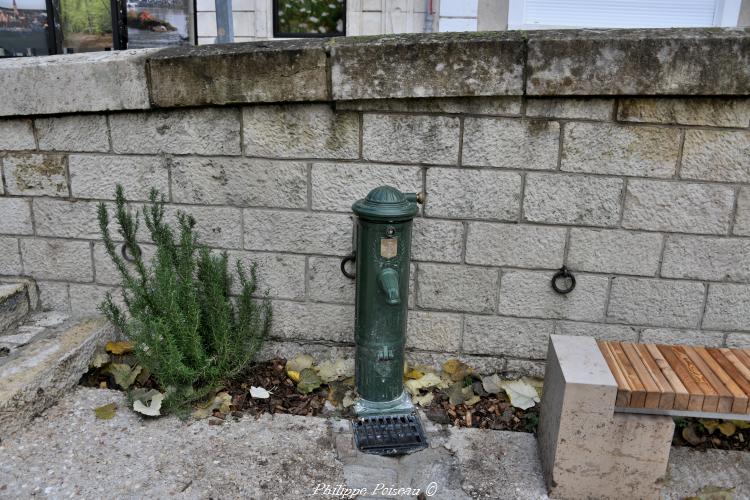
[(68, 452)]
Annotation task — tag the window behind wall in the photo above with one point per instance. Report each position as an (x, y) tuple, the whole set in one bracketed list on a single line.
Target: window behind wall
[(309, 18), (543, 14)]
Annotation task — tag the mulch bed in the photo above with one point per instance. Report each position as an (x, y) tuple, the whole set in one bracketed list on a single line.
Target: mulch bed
[(692, 433)]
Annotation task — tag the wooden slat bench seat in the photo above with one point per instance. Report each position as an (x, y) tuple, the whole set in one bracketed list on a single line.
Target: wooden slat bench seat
[(680, 379)]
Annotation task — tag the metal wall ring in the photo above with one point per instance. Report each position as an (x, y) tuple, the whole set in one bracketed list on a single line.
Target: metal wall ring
[(349, 258), (563, 273), (126, 255)]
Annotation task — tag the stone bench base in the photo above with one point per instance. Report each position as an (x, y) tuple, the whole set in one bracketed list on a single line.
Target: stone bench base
[(588, 450)]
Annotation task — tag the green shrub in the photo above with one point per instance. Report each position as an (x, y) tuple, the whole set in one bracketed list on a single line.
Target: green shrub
[(186, 329)]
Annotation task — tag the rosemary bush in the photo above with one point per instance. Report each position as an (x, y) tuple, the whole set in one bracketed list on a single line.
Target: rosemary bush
[(186, 329)]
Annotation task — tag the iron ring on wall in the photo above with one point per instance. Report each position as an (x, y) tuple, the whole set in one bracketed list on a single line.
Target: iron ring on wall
[(126, 255), (351, 257), (563, 273)]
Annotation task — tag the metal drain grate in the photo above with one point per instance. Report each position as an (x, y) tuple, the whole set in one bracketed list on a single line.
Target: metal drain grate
[(397, 434)]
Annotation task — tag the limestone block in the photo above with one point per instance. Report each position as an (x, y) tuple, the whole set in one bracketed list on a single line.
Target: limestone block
[(298, 232), (215, 226), (200, 131), (742, 218), (14, 307), (712, 112), (75, 83), (31, 174), (528, 293), (572, 199), (437, 240), (614, 251), (727, 307), (53, 296), (327, 283), (411, 138), (57, 259), (684, 337), (95, 176), (591, 108), (457, 288), (300, 131), (282, 275), (85, 299), (433, 331), (514, 245), (738, 340), (715, 155), (335, 186), (283, 71), (433, 65), (603, 148), (10, 256), (66, 218), (16, 135), (654, 302), (598, 331), (517, 337), (105, 270), (16, 217), (706, 258), (86, 133), (313, 321), (682, 207), (511, 143), (489, 105), (239, 182), (494, 194)]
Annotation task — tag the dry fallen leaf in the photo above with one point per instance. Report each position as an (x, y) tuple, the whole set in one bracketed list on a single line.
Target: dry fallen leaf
[(308, 381), (424, 400), (427, 381), (727, 428), (99, 359), (123, 374), (336, 369), (456, 370), (299, 363), (147, 402), (259, 392), (119, 348), (106, 412), (492, 384), (522, 394), (221, 402)]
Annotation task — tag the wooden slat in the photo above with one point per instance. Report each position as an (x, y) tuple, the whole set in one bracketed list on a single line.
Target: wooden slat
[(653, 394), (732, 370), (743, 370), (637, 391), (725, 395), (666, 398), (710, 396), (739, 398), (623, 390), (696, 394), (743, 355), (682, 396)]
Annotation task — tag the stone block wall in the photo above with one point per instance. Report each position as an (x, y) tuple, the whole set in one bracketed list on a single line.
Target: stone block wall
[(646, 198)]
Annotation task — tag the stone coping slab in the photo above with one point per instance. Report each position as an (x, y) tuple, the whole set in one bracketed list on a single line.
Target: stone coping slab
[(537, 63)]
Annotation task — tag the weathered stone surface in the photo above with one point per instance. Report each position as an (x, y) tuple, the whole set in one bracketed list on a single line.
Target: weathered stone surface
[(614, 251), (16, 217), (16, 135), (288, 70), (509, 143), (57, 259), (86, 298), (515, 245), (572, 199), (597, 330), (628, 62), (434, 65), (494, 194), (300, 131), (517, 368), (35, 174), (521, 338), (411, 138), (313, 321), (209, 131), (738, 340), (678, 207), (327, 283), (239, 182), (10, 256), (75, 83), (433, 331), (457, 288), (570, 108), (707, 258), (66, 219), (690, 337), (742, 218), (53, 296), (727, 307), (95, 176), (105, 270), (653, 302), (46, 369), (620, 150), (335, 186), (714, 155), (14, 307), (299, 232), (215, 226), (437, 240), (469, 105), (88, 133), (528, 293), (282, 275), (713, 112)]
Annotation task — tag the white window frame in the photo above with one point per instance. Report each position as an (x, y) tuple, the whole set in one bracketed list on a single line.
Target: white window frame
[(727, 14)]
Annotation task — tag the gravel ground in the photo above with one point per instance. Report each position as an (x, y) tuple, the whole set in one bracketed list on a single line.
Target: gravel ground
[(67, 452)]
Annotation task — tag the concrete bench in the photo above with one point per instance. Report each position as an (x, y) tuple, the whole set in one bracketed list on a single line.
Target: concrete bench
[(606, 424)]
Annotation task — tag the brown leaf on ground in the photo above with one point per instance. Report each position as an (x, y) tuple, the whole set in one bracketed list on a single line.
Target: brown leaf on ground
[(106, 412), (119, 348)]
